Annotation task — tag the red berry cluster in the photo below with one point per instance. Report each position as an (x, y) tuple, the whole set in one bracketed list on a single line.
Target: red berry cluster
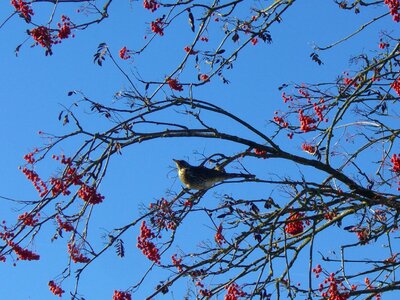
[(42, 37), (309, 148), (234, 292), (254, 41), (174, 84), (30, 157), (37, 182), (395, 160), (302, 91), (23, 8), (76, 255), (164, 216), (148, 248), (350, 81), (319, 109), (280, 121), (204, 39), (151, 5), (157, 26), (394, 7), (317, 270), (89, 194), (203, 292), (42, 34), (294, 225), (262, 153), (23, 254), (124, 53), (118, 295), (6, 234), (286, 98), (29, 219), (64, 28), (188, 203), (363, 235), (329, 215), (392, 259), (190, 50), (204, 77), (396, 85), (177, 262), (383, 45), (66, 226), (55, 289), (306, 122), (219, 238), (335, 289), (71, 177), (370, 287)]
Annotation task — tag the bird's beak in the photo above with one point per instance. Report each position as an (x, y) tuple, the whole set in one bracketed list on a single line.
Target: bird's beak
[(175, 160)]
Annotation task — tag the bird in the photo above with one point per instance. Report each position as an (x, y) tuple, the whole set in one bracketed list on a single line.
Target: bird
[(200, 177)]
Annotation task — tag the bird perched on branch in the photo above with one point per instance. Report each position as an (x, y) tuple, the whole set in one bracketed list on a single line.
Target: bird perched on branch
[(199, 178)]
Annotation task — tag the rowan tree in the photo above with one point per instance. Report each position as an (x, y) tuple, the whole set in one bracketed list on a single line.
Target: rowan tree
[(319, 220)]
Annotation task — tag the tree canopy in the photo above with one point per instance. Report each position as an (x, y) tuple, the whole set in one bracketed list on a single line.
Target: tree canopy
[(236, 86)]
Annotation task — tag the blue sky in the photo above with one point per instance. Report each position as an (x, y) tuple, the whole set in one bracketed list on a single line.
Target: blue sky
[(34, 89)]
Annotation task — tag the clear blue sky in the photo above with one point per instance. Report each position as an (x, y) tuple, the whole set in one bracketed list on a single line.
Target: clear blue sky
[(34, 88)]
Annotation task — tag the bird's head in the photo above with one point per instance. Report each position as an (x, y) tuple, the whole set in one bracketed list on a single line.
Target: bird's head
[(181, 164)]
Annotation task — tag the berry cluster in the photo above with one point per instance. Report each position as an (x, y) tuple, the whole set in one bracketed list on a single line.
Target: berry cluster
[(29, 219), (286, 98), (370, 287), (309, 148), (151, 5), (177, 262), (219, 238), (307, 123), (157, 26), (396, 85), (148, 248), (262, 153), (234, 292), (394, 8), (64, 28), (76, 255), (317, 270), (89, 194), (203, 292), (175, 85), (190, 50), (203, 77), (164, 216), (43, 37), (66, 226), (363, 235), (124, 53), (334, 289), (37, 182), (118, 295), (23, 254), (23, 8), (294, 224), (395, 160), (280, 121), (55, 289)]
